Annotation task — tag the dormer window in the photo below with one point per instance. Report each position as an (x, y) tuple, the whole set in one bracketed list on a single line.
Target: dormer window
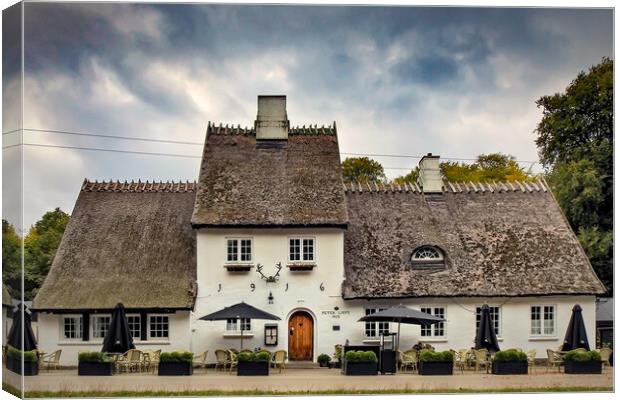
[(428, 257)]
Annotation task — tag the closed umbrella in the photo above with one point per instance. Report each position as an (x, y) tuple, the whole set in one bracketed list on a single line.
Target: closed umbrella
[(485, 336), (402, 314), (21, 319), (118, 338), (238, 311), (576, 336)]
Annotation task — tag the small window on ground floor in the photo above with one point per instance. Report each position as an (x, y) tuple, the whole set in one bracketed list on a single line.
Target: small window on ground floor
[(542, 320), (435, 330), (496, 318), (234, 325), (133, 320), (373, 330), (72, 327), (100, 325), (158, 327)]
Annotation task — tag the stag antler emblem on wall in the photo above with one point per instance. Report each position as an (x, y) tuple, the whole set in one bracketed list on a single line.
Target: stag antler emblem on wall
[(272, 278)]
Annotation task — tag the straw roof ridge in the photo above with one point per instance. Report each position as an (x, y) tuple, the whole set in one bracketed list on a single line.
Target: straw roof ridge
[(226, 129), (139, 186), (537, 186)]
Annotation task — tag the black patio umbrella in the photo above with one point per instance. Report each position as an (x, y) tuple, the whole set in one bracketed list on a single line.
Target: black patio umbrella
[(485, 336), (402, 314), (118, 338), (238, 311), (576, 336), (21, 318)]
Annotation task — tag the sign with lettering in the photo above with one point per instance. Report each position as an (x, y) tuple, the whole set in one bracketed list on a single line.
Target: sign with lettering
[(335, 313)]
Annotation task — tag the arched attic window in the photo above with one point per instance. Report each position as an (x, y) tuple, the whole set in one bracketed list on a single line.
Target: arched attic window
[(428, 257)]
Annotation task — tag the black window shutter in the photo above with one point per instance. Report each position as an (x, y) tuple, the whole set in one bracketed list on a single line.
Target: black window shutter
[(85, 326), (143, 326)]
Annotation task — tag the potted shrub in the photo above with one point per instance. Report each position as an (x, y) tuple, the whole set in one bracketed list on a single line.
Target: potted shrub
[(94, 363), (14, 361), (509, 362), (252, 364), (360, 362), (436, 362), (176, 363), (324, 360), (582, 362)]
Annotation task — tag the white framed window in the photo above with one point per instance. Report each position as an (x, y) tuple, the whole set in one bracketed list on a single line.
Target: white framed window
[(496, 318), (71, 327), (158, 327), (372, 329), (437, 330), (99, 325), (428, 257), (234, 325), (542, 320), (301, 249), (239, 250), (135, 327)]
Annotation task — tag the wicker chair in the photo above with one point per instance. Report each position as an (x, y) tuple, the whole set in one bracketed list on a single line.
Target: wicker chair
[(460, 359), (234, 360), (50, 360), (200, 360), (531, 358), (482, 359), (278, 360), (605, 353), (408, 359), (131, 360), (554, 359), (222, 359)]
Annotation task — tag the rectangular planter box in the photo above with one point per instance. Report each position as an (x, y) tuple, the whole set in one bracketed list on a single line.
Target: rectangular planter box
[(175, 368), (95, 368), (436, 368), (509, 368), (252, 368), (30, 367), (360, 368), (583, 367)]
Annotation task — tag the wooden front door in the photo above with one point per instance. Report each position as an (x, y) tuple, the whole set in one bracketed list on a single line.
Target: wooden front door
[(300, 337)]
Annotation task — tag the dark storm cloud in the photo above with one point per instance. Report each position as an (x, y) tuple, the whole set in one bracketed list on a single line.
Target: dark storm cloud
[(459, 81)]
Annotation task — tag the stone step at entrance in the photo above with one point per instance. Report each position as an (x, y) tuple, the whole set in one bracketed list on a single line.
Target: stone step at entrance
[(302, 365)]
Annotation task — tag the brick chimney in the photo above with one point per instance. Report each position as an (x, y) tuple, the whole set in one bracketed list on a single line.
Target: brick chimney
[(271, 121), (429, 177)]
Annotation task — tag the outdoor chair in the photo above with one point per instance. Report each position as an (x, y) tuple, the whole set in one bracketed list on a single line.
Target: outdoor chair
[(482, 359), (605, 353), (222, 359), (153, 362), (200, 360), (531, 358), (130, 361), (337, 353), (50, 360), (407, 360), (234, 360), (278, 360), (554, 359), (460, 359)]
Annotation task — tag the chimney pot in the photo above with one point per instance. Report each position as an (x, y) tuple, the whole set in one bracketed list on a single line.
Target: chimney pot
[(271, 120), (429, 177)]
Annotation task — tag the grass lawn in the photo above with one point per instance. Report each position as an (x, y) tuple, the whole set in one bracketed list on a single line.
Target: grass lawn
[(88, 394)]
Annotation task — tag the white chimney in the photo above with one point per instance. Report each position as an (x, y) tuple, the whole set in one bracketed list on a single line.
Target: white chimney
[(271, 121), (429, 176)]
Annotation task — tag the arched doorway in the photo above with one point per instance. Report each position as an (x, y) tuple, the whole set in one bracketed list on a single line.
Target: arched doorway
[(300, 336)]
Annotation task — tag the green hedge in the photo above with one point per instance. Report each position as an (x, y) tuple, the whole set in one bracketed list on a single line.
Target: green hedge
[(261, 356), (576, 355), (360, 356), (177, 356), (12, 352), (430, 355), (510, 355)]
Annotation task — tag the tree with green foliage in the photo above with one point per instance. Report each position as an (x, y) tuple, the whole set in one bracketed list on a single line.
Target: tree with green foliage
[(362, 169), (11, 259), (411, 177), (575, 143), (40, 247)]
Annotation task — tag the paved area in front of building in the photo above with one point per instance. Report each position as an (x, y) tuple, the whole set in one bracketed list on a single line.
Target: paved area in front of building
[(297, 380)]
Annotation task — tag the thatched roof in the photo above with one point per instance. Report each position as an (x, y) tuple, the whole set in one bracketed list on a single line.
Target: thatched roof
[(498, 240), (125, 242), (293, 183)]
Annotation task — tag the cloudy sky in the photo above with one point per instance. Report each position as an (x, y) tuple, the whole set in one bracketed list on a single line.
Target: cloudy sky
[(397, 80)]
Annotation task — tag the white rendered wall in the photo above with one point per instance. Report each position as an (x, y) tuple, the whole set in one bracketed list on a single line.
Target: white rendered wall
[(50, 338), (271, 246)]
